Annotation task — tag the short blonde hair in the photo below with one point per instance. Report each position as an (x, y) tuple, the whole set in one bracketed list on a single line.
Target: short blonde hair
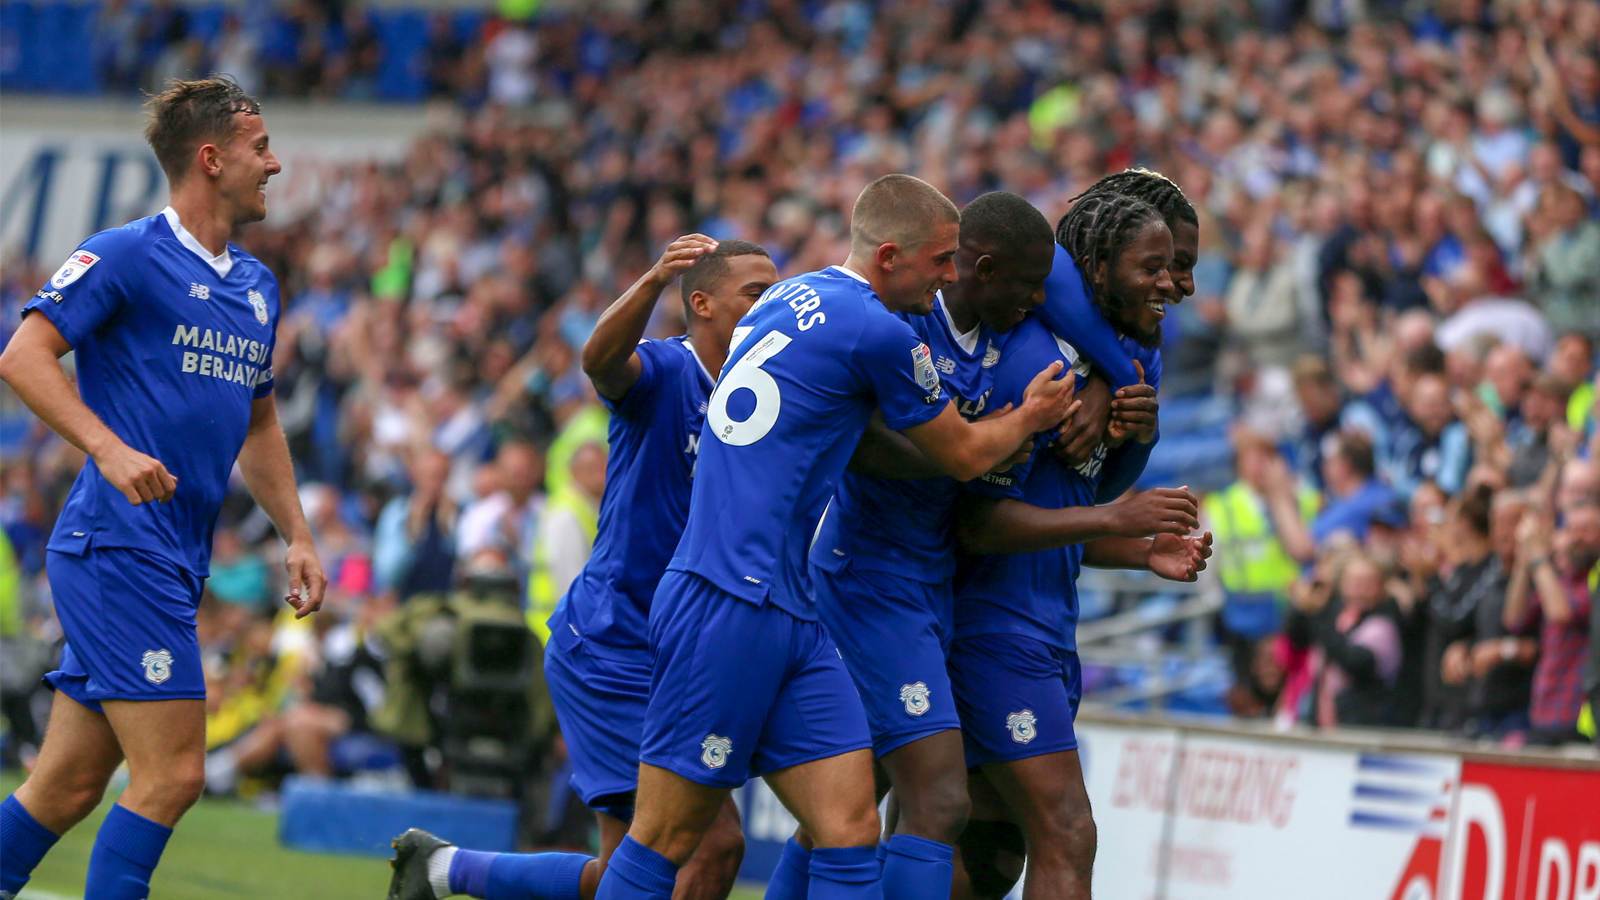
[(898, 209)]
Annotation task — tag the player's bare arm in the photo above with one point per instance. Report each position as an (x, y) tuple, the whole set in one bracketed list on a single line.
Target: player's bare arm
[(269, 476), (886, 453), (31, 366), (1173, 557), (608, 356), (986, 525), (965, 450)]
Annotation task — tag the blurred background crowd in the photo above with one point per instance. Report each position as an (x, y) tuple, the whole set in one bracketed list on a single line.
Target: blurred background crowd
[(1385, 382)]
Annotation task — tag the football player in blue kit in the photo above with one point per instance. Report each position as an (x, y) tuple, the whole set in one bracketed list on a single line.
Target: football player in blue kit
[(1014, 666), (597, 664), (172, 329), (884, 553), (745, 680)]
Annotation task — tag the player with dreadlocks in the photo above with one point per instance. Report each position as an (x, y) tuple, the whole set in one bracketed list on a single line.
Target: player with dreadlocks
[(1013, 664), (1097, 332)]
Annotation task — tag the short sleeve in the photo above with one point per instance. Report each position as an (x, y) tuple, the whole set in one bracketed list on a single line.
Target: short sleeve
[(652, 359), (899, 368), (88, 290)]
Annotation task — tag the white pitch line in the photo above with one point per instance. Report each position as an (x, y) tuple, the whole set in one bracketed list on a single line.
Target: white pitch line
[(31, 894)]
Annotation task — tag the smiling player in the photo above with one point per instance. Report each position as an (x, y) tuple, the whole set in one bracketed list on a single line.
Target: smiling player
[(598, 661), (745, 680), (173, 332)]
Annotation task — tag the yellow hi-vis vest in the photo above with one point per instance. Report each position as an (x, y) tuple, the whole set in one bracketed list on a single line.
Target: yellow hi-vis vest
[(1249, 557), (542, 593)]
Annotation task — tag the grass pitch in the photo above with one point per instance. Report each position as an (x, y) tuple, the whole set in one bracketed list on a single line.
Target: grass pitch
[(223, 849)]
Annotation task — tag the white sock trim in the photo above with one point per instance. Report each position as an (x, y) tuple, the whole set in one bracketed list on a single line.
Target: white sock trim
[(439, 871)]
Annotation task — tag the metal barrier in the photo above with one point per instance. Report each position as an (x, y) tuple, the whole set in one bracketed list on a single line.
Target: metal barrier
[(1128, 637)]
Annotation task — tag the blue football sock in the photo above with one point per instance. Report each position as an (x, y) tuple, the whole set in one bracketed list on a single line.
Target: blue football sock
[(791, 880), (845, 873), (25, 842), (125, 854), (517, 876), (635, 872), (917, 869)]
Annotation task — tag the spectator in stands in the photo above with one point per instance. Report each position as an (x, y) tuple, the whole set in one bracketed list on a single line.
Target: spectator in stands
[(1528, 442), (1354, 491), (1449, 610), (566, 534), (1355, 642), (1259, 524), (1579, 483), (1500, 681), (347, 688), (1550, 583), (506, 516), (1563, 271), (1572, 365), (414, 541), (1431, 445), (1263, 308), (1326, 411)]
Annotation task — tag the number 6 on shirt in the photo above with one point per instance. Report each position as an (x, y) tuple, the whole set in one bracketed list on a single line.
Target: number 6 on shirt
[(748, 374)]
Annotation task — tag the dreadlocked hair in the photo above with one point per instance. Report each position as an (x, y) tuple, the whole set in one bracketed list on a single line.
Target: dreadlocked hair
[(1096, 231), (1152, 187)]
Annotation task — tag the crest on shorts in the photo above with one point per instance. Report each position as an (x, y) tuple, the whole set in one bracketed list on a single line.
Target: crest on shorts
[(1021, 725), (714, 751), (915, 697), (157, 665), (260, 304)]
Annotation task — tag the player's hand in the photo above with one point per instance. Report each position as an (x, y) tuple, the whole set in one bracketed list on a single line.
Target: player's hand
[(1157, 511), (1085, 431), (1133, 412), (1179, 558), (681, 254), (1048, 401), (306, 580), (140, 478), (1023, 453)]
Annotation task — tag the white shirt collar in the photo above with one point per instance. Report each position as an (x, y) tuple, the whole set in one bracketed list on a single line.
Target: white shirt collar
[(967, 341), (689, 344), (222, 263), (853, 274)]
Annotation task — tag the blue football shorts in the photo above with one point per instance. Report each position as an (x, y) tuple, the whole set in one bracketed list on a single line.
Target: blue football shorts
[(739, 690), (894, 635), (129, 619), (1018, 696), (600, 698)]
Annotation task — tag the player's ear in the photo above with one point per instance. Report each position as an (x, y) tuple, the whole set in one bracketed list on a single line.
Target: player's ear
[(1100, 274), (700, 302), (210, 156), (984, 267), (888, 253)]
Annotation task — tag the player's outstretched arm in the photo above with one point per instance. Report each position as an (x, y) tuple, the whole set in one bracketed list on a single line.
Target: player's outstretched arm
[(989, 525), (269, 476), (608, 356), (967, 450), (30, 366), (1171, 556)]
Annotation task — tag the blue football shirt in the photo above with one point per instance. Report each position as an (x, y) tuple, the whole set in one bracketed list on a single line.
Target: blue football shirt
[(172, 346), (810, 362), (1072, 316), (654, 438), (902, 527)]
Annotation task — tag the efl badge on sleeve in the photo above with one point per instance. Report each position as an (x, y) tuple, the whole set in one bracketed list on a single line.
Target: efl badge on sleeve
[(76, 265)]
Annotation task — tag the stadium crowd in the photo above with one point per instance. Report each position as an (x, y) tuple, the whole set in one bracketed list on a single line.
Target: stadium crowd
[(1397, 295)]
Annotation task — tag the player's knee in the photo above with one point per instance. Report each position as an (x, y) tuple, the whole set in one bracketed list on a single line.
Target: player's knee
[(179, 784), (722, 851), (936, 809), (1066, 832), (76, 801)]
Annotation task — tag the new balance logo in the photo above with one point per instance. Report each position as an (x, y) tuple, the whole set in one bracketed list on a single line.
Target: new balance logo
[(203, 291)]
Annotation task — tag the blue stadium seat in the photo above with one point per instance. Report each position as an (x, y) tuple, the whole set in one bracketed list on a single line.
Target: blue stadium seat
[(58, 28), (404, 35), (469, 26), (16, 45), (205, 23)]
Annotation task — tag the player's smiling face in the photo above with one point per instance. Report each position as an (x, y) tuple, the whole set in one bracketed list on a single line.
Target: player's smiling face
[(1140, 284), (247, 163), (1185, 250), (922, 270)]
